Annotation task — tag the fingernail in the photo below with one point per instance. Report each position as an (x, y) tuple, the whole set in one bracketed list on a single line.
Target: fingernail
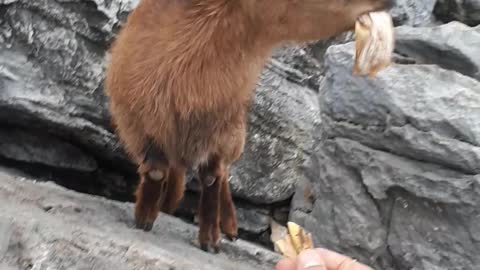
[(310, 260), (311, 265)]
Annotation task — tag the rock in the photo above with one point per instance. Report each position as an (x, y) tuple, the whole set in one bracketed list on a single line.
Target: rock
[(319, 48), (23, 146), (298, 64), (434, 45), (446, 133), (395, 174), (279, 141), (41, 92), (54, 228), (466, 11), (6, 229), (413, 13)]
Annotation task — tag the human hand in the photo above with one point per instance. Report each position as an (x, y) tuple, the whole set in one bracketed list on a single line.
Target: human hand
[(320, 259)]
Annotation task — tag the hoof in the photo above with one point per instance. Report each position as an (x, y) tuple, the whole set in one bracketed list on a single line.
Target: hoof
[(215, 248), (231, 238), (146, 226), (204, 247), (139, 225)]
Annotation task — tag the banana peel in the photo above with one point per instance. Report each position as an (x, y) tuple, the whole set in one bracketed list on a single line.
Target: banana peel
[(292, 240), (374, 43)]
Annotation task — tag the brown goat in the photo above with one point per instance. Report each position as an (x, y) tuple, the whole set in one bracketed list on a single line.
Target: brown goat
[(180, 81)]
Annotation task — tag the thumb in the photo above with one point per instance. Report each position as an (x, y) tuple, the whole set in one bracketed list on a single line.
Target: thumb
[(310, 260)]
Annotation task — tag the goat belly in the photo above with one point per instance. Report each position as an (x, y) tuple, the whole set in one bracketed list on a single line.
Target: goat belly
[(195, 139)]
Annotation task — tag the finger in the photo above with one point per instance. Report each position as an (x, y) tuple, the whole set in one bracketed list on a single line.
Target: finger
[(310, 260), (285, 264), (336, 261)]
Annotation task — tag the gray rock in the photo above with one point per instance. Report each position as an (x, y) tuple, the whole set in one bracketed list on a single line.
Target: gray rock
[(279, 140), (297, 63), (54, 228), (343, 217), (6, 229), (466, 11), (39, 90), (413, 12), (433, 235), (395, 174), (435, 45), (23, 146), (440, 126)]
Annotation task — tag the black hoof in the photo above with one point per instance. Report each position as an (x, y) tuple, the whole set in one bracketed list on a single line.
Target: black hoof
[(139, 225), (148, 226), (231, 238), (204, 247)]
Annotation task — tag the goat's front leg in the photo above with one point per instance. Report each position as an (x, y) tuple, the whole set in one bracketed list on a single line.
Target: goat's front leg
[(152, 190), (212, 176), (149, 196)]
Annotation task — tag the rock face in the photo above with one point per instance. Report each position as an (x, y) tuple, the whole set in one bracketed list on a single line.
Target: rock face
[(44, 226), (466, 11), (413, 13), (395, 176), (435, 45), (54, 116)]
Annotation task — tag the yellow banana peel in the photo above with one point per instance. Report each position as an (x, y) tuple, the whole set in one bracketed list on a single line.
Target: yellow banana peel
[(292, 240), (374, 43)]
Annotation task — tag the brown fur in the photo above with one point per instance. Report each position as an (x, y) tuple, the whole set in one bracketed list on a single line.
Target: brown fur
[(180, 82)]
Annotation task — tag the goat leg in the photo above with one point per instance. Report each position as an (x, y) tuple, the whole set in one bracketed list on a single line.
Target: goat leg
[(175, 190), (152, 190), (211, 178), (228, 219)]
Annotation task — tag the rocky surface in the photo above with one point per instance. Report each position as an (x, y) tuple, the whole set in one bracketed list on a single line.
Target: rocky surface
[(436, 46), (413, 12), (395, 176), (466, 11), (45, 226)]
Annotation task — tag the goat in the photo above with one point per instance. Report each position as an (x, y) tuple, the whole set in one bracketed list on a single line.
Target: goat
[(180, 82)]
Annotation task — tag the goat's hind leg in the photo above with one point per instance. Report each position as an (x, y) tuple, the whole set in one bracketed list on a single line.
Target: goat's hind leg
[(152, 190), (228, 216), (175, 189)]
